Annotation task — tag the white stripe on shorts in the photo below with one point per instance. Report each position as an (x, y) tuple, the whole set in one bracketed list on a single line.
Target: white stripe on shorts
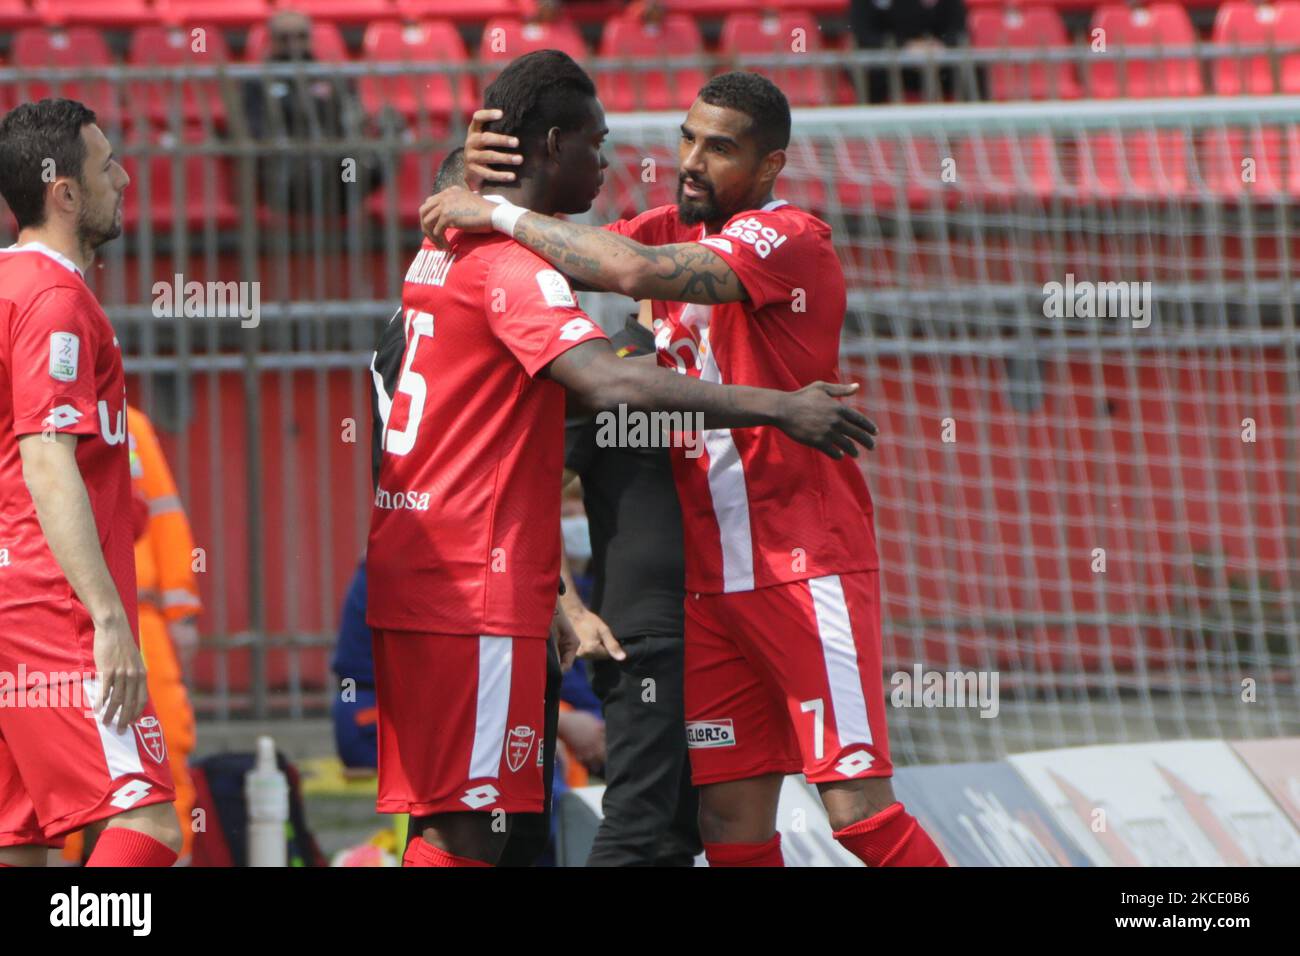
[(121, 750), (841, 657), (495, 663)]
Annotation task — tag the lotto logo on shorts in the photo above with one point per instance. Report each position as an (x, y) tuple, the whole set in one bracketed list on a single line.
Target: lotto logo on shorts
[(710, 733)]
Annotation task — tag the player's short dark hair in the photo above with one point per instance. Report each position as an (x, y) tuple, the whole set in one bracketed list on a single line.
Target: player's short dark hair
[(452, 171), (536, 92), (758, 98), (30, 135)]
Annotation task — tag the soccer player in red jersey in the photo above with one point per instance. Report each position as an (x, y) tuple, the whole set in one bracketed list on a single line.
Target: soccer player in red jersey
[(80, 745), (783, 630), (463, 560)]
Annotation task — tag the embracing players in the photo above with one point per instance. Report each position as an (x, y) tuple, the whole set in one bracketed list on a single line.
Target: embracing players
[(89, 753), (463, 558), (783, 639)]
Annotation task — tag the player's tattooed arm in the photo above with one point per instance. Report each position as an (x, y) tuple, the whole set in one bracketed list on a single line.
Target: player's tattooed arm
[(682, 272), (596, 258)]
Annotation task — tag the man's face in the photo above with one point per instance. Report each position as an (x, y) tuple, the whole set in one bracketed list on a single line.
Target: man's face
[(718, 165), (290, 38), (582, 162), (102, 189)]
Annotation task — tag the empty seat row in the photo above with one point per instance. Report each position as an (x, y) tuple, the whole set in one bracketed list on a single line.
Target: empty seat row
[(434, 41), (1118, 29), (127, 13)]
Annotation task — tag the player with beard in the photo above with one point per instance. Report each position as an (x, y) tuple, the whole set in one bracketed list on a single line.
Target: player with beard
[(91, 755), (783, 628), (463, 559)]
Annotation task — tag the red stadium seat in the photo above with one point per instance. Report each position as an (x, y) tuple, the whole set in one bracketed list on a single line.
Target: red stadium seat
[(505, 38), (38, 48), (174, 47), (432, 94), (754, 33), (1149, 164), (413, 181), (1246, 25), (16, 13), (1286, 29), (876, 172), (1003, 167), (1125, 28), (97, 13), (206, 195), (458, 11), (326, 41), (216, 12), (712, 8), (1220, 159), (628, 36), (341, 11), (1037, 28)]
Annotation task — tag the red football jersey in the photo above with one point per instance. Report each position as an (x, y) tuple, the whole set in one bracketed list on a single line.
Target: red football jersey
[(465, 529), (759, 508), (60, 371)]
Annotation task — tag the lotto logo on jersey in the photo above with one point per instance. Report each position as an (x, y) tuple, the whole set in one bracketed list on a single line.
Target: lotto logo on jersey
[(763, 238), (701, 734)]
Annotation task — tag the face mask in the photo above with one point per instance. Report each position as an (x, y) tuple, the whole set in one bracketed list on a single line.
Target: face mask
[(577, 537)]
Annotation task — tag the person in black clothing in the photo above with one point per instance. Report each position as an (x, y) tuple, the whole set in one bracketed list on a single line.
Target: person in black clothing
[(915, 25), (303, 111), (633, 639), (530, 833)]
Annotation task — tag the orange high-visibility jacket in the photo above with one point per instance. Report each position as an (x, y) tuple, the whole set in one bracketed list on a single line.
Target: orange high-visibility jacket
[(164, 553)]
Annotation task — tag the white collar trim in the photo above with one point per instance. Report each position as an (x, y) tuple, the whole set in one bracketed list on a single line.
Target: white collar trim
[(42, 248), (775, 204)]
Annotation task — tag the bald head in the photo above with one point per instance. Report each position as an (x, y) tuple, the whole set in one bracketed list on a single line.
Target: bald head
[(290, 34)]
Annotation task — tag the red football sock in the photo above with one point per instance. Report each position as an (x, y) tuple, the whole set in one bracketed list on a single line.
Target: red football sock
[(420, 852), (118, 846), (891, 838), (745, 854)]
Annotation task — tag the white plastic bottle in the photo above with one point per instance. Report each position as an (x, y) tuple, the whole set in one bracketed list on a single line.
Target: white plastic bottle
[(266, 791)]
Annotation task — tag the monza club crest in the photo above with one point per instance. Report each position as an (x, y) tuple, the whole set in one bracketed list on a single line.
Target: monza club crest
[(149, 732), (519, 744)]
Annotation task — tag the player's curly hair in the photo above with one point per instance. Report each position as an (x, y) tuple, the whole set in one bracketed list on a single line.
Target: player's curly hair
[(30, 136), (758, 98), (536, 92)]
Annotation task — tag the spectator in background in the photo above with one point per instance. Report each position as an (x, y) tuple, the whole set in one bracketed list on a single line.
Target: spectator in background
[(301, 112), (913, 25)]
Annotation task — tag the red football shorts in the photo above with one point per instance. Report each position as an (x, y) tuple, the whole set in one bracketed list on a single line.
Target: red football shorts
[(461, 720), (786, 679), (60, 767)]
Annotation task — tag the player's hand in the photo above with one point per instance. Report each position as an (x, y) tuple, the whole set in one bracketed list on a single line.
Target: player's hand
[(815, 416), (596, 642), (484, 150), (123, 691), (565, 638), (455, 208), (584, 735)]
